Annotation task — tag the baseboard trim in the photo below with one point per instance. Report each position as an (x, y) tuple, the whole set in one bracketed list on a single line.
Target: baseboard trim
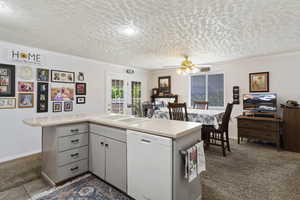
[(19, 156)]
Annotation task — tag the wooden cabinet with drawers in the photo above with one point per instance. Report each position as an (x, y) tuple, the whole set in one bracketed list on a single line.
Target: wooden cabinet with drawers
[(65, 151), (261, 128)]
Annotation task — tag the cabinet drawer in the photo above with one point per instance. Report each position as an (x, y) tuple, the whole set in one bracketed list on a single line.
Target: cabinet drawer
[(74, 155), (259, 134), (73, 141), (72, 170), (72, 129), (261, 125), (114, 133)]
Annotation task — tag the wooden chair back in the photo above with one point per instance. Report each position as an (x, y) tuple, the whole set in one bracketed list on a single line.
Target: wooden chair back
[(226, 117), (178, 111), (201, 105)]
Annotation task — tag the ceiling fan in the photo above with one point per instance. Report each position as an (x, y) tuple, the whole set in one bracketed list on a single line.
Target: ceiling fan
[(187, 67)]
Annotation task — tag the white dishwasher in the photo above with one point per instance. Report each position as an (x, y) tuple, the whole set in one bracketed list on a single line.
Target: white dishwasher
[(149, 160)]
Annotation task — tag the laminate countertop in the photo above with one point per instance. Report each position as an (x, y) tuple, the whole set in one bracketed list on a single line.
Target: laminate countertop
[(167, 128)]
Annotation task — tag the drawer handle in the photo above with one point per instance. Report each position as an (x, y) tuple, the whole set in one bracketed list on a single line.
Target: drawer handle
[(145, 141), (74, 168), (75, 141), (102, 143), (106, 145), (74, 155), (74, 130)]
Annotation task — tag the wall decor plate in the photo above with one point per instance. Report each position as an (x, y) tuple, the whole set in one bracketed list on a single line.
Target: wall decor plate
[(62, 76), (42, 97), (57, 107), (80, 88), (80, 76), (7, 80), (259, 82), (24, 86), (26, 100), (80, 100), (62, 94), (68, 106), (7, 103), (25, 72), (42, 75)]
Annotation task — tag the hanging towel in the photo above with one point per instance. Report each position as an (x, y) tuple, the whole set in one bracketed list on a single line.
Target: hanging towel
[(201, 166), (192, 163)]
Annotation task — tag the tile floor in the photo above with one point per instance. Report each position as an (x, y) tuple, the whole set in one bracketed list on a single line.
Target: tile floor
[(25, 191)]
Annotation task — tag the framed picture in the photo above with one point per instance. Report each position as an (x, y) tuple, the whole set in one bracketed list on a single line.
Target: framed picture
[(7, 103), (80, 76), (42, 97), (80, 100), (42, 75), (25, 73), (25, 86), (7, 80), (62, 94), (164, 84), (259, 82), (68, 106), (80, 88), (25, 100), (62, 76), (57, 107), (155, 91)]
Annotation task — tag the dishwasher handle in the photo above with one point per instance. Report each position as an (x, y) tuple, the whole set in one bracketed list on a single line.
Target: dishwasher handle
[(145, 141)]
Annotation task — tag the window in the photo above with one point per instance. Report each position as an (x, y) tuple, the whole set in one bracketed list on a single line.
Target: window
[(208, 87), (136, 98)]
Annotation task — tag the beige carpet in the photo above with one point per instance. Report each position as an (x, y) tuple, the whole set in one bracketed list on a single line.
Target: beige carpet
[(251, 172)]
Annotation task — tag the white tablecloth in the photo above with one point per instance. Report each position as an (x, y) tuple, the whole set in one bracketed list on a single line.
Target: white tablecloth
[(205, 117)]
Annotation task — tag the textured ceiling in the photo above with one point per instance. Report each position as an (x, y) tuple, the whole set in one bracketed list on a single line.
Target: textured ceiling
[(207, 30)]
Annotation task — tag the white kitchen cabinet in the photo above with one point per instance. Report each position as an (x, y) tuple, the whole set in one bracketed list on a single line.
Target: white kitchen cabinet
[(116, 168), (108, 158), (149, 161), (97, 155)]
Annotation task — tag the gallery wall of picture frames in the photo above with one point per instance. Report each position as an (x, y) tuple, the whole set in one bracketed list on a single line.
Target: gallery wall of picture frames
[(22, 95)]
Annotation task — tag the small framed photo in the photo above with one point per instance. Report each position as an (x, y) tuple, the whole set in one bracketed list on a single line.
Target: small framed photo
[(68, 106), (80, 88), (80, 100), (25, 86), (42, 75), (259, 82), (155, 92), (80, 76), (26, 100), (57, 107), (7, 103), (42, 97), (62, 76), (7, 80)]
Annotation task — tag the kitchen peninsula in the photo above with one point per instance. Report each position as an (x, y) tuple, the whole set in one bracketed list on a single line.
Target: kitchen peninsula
[(139, 156)]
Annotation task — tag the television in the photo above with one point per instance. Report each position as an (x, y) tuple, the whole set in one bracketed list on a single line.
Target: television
[(266, 102)]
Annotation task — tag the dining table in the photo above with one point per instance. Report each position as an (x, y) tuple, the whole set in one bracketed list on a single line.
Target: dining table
[(205, 117)]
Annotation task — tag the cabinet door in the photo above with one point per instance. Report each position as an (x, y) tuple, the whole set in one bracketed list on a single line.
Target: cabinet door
[(116, 167), (97, 155)]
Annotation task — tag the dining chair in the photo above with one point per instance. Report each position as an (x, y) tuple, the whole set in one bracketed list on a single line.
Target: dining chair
[(201, 105), (178, 111), (219, 136)]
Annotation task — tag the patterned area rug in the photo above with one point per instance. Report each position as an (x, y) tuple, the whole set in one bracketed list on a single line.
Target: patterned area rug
[(87, 187)]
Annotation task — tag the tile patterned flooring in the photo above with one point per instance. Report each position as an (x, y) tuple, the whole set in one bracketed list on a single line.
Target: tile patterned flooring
[(25, 191)]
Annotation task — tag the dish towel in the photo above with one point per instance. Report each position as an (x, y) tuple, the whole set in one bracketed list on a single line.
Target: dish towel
[(201, 164), (194, 161)]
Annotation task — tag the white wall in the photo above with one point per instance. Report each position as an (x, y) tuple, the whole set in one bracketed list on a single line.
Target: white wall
[(284, 79), (18, 139)]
